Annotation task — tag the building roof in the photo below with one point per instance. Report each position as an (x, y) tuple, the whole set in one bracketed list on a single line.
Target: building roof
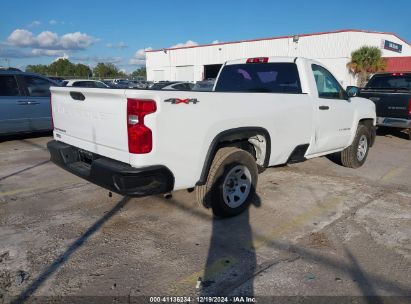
[(398, 64), (283, 37)]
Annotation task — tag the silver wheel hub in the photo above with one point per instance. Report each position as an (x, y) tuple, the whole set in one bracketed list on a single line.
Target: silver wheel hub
[(362, 147), (237, 186)]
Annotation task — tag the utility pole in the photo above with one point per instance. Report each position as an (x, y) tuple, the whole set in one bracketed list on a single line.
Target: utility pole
[(7, 60)]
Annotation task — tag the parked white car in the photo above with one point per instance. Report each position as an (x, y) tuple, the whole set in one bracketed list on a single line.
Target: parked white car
[(84, 83), (263, 112), (173, 85)]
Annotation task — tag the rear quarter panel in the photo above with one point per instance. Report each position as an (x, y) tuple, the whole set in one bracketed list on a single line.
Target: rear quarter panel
[(183, 132)]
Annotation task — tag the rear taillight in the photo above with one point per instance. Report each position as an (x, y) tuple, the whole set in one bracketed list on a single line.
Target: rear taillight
[(257, 60), (51, 112), (140, 137)]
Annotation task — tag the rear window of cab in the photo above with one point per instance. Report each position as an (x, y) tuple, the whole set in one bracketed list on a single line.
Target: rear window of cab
[(260, 77)]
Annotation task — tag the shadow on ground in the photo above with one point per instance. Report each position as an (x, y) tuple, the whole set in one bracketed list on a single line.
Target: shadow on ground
[(393, 132), (25, 136), (63, 258), (231, 261)]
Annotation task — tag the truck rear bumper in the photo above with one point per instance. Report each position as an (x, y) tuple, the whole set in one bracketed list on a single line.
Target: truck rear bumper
[(394, 122), (111, 174)]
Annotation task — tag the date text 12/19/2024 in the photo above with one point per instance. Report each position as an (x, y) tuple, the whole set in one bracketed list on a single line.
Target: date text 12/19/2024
[(201, 299)]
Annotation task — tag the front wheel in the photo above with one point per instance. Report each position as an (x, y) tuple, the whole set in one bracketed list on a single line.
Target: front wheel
[(355, 155), (231, 182)]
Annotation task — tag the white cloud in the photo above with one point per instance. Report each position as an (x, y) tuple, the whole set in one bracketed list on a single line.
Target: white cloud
[(12, 52), (185, 44), (76, 40), (47, 39), (215, 42), (35, 23), (55, 22), (21, 38), (120, 45), (85, 59), (139, 57), (50, 40), (64, 56), (50, 53)]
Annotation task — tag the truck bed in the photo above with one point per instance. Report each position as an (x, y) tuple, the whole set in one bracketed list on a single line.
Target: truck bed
[(183, 119)]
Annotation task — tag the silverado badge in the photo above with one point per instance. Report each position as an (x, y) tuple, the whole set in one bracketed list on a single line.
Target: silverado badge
[(178, 100)]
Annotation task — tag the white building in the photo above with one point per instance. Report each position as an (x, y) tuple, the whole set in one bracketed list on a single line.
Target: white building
[(333, 49)]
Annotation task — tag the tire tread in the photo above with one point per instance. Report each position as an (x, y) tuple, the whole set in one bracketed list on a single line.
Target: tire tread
[(348, 155), (201, 191)]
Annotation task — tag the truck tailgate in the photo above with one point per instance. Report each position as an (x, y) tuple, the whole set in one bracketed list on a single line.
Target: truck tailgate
[(92, 119), (389, 103)]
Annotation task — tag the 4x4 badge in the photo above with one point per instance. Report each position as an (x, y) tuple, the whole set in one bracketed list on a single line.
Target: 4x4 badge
[(178, 100)]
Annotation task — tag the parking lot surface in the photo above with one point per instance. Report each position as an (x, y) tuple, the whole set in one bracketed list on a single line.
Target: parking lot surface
[(314, 229)]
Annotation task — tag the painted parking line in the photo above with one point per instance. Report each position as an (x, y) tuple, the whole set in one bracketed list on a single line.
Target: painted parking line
[(45, 186), (24, 170), (259, 241), (191, 281), (394, 172)]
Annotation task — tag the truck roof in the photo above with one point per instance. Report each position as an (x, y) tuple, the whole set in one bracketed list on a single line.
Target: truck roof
[(269, 59)]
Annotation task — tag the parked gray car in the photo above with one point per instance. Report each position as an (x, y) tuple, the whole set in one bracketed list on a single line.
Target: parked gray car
[(24, 102)]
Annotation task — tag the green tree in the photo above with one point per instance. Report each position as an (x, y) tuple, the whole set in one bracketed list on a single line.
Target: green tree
[(37, 68), (62, 67), (365, 61), (106, 70), (82, 70), (140, 72)]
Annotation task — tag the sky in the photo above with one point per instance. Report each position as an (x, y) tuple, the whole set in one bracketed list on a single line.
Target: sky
[(39, 32)]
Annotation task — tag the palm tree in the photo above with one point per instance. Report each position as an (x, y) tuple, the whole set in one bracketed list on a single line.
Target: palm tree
[(365, 61)]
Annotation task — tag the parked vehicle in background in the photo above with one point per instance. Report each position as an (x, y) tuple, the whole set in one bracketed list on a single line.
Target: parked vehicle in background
[(135, 84), (56, 79), (391, 93), (172, 85), (24, 102), (84, 83), (205, 85), (111, 84), (9, 69), (139, 84), (263, 112), (122, 83)]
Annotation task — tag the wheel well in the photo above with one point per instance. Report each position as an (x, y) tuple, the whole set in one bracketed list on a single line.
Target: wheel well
[(369, 123), (254, 140)]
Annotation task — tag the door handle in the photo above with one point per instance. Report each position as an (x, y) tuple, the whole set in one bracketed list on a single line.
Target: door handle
[(22, 103), (33, 102), (324, 107)]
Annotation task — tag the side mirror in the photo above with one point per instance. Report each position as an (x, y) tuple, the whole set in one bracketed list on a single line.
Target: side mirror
[(353, 91)]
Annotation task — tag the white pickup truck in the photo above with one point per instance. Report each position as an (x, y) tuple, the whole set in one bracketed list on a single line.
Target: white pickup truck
[(262, 112)]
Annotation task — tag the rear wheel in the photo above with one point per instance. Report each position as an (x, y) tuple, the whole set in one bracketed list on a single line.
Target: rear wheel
[(231, 182), (355, 155)]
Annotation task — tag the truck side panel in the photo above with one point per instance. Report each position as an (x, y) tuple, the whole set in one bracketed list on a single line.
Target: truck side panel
[(183, 132)]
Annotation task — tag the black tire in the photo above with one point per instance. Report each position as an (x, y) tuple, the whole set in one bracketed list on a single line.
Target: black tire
[(228, 160), (349, 156)]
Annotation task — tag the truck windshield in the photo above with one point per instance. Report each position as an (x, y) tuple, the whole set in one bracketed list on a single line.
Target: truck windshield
[(259, 77), (390, 81)]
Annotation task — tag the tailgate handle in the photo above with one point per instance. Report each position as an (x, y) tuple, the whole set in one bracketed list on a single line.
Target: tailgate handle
[(77, 96)]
